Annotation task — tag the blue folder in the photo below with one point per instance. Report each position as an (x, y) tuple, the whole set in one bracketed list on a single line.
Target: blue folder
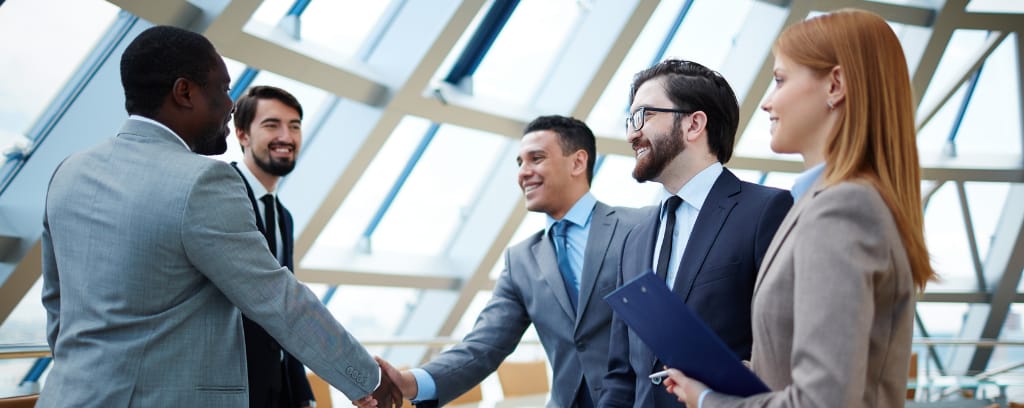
[(679, 338)]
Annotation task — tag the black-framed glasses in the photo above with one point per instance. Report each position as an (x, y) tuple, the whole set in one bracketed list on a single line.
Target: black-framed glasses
[(637, 119)]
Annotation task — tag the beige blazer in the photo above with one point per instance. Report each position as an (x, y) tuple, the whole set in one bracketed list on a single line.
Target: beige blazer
[(833, 307)]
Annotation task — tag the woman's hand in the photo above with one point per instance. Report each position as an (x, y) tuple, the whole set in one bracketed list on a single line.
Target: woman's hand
[(686, 389)]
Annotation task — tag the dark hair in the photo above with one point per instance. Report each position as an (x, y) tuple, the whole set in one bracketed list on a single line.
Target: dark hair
[(158, 57), (573, 135), (245, 106), (693, 87)]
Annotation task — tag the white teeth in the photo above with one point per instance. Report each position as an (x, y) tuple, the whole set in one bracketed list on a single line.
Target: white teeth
[(642, 151)]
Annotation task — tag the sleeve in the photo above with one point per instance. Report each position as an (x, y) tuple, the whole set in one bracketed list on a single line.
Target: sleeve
[(838, 254), (221, 240), (496, 333), (620, 380), (51, 286)]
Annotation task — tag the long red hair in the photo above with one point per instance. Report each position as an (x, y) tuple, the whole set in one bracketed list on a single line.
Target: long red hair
[(875, 139)]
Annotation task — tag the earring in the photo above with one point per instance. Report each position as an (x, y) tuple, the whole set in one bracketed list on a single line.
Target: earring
[(829, 104)]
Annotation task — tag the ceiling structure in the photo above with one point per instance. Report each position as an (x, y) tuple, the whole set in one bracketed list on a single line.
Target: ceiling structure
[(405, 195)]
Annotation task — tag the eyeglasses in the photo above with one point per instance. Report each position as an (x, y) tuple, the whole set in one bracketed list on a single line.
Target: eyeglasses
[(636, 119)]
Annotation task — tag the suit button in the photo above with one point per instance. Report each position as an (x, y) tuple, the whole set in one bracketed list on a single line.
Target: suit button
[(580, 346)]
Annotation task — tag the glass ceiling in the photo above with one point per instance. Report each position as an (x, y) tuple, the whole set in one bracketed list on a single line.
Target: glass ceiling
[(406, 189)]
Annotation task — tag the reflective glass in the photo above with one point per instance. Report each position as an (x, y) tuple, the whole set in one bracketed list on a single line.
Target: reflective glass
[(995, 6), (517, 62), (988, 130), (35, 77), (341, 26), (347, 225), (614, 184), (441, 188), (947, 242), (26, 323), (722, 17)]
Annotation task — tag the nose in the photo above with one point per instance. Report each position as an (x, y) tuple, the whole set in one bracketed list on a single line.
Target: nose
[(632, 135)]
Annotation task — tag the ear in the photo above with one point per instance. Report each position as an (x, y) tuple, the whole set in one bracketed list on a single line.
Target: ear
[(698, 122), (181, 92), (579, 162), (243, 138), (836, 86)]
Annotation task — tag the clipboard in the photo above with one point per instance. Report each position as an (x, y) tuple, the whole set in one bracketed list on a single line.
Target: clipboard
[(679, 338)]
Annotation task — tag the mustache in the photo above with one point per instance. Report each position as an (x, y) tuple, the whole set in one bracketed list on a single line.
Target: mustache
[(281, 144)]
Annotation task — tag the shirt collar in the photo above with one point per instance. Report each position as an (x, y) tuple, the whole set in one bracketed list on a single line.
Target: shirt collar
[(153, 122), (257, 188), (695, 191), (806, 180), (580, 212)]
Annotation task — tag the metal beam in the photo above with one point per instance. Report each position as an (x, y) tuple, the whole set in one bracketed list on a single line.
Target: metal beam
[(21, 279), (945, 23), (969, 66), (1003, 268)]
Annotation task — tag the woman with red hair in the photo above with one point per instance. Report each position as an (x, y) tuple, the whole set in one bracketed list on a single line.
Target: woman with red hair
[(833, 307)]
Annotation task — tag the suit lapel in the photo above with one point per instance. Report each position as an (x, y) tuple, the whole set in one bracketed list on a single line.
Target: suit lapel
[(782, 233), (547, 264), (602, 227), (710, 220), (287, 238)]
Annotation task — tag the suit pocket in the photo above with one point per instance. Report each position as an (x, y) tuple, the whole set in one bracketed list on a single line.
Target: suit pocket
[(221, 389), (716, 273)]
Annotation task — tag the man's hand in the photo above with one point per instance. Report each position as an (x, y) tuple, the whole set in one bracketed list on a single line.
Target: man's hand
[(387, 395), (404, 379)]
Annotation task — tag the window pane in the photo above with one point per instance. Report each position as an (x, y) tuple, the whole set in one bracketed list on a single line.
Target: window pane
[(523, 52), (27, 322), (350, 221), (443, 185), (41, 75), (614, 184), (947, 242), (692, 42), (988, 127), (607, 117), (341, 25)]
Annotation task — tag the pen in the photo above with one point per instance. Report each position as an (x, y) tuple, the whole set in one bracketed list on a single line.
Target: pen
[(658, 376)]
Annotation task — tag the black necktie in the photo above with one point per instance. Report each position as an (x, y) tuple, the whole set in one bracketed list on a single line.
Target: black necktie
[(666, 241), (270, 222), (558, 232)]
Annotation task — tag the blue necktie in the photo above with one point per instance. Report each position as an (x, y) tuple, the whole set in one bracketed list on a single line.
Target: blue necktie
[(558, 232)]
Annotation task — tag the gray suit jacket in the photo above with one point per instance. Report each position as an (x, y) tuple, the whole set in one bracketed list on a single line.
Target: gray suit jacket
[(531, 289), (833, 307), (147, 250)]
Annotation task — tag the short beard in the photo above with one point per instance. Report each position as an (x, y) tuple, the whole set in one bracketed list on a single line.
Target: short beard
[(653, 163), (273, 167), (213, 145)]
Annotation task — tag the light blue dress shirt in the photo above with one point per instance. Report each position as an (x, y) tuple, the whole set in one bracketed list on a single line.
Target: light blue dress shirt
[(693, 193), (579, 229), (806, 180)]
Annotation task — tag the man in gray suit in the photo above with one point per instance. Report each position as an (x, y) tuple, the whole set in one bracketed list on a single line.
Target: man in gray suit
[(560, 295), (150, 250)]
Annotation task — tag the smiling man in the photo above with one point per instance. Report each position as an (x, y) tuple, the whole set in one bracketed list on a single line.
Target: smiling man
[(713, 229), (555, 279), (268, 124)]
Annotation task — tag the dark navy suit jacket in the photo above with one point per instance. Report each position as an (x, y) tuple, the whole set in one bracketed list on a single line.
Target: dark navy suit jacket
[(262, 352), (715, 278)]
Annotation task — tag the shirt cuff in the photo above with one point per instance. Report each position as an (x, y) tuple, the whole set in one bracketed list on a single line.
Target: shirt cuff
[(703, 394), (426, 388)]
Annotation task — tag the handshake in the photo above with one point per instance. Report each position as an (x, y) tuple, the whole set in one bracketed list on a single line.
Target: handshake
[(394, 385)]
